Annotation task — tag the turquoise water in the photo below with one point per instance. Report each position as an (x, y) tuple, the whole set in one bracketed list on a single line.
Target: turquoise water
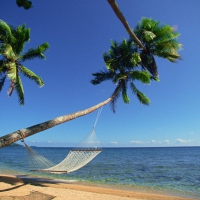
[(172, 170)]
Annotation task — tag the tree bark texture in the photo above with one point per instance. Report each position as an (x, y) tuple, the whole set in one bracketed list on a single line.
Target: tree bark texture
[(121, 17), (23, 133)]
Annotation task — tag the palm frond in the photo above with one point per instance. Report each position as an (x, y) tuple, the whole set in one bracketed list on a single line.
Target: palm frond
[(148, 35), (135, 59), (11, 71), (119, 77), (172, 57), (7, 51), (141, 97), (155, 78), (24, 3), (11, 88), (35, 53), (116, 95), (19, 90), (121, 55), (124, 92), (102, 76), (159, 39), (112, 64), (148, 63), (142, 76), (23, 36), (6, 33), (31, 75)]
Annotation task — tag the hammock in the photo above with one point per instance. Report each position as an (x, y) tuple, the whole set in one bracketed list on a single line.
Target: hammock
[(76, 159)]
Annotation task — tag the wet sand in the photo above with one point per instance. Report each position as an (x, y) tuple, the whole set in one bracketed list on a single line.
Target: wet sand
[(25, 188)]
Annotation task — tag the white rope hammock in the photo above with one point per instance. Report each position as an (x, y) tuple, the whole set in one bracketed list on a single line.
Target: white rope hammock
[(74, 161), (76, 158)]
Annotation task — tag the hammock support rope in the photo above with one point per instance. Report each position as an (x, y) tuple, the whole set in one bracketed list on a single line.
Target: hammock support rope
[(76, 158)]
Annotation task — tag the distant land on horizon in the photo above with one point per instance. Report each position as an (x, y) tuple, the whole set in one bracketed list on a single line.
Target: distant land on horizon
[(15, 145)]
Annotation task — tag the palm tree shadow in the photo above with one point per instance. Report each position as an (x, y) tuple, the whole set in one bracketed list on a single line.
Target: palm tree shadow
[(15, 182), (12, 181), (8, 189)]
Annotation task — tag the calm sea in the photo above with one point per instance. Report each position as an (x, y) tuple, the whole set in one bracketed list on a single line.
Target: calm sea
[(172, 170)]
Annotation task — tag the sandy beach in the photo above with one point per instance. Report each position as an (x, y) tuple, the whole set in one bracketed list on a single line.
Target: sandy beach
[(14, 187)]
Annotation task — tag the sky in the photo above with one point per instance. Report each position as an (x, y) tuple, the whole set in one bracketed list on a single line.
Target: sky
[(79, 32)]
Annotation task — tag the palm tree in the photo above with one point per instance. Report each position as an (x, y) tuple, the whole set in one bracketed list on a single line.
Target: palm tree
[(121, 17), (149, 35), (122, 68), (121, 62), (158, 40), (12, 41), (24, 3), (124, 64)]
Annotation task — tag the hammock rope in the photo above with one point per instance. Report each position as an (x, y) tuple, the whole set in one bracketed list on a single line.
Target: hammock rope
[(76, 158)]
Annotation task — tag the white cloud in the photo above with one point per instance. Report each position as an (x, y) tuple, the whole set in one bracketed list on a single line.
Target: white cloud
[(35, 141), (137, 142), (183, 141), (113, 142), (153, 141)]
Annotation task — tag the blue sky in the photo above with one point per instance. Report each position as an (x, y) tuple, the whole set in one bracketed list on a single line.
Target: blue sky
[(79, 32)]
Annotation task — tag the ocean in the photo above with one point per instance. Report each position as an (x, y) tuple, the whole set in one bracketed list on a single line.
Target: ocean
[(167, 170)]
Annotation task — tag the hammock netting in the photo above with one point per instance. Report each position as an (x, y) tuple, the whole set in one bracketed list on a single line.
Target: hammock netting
[(76, 158)]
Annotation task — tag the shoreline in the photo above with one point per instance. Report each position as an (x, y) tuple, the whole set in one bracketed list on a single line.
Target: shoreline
[(27, 187)]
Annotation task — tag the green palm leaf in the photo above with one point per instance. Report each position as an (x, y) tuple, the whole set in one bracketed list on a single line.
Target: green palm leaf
[(23, 36), (102, 76), (135, 59), (159, 40), (116, 95), (36, 53), (7, 51), (24, 3), (6, 33), (148, 35), (31, 75), (124, 92), (142, 97), (19, 90), (12, 71), (12, 42), (119, 77), (142, 76)]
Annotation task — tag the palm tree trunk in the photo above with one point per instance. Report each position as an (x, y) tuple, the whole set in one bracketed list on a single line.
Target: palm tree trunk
[(121, 17), (23, 133)]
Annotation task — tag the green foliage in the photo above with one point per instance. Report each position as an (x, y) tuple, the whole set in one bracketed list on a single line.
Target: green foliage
[(142, 76), (122, 63), (142, 97), (7, 51), (31, 75), (36, 53), (12, 42), (159, 40), (6, 32), (24, 3), (126, 62), (20, 90)]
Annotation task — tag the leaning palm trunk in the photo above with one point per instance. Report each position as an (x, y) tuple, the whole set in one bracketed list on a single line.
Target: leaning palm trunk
[(23, 133), (121, 17)]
